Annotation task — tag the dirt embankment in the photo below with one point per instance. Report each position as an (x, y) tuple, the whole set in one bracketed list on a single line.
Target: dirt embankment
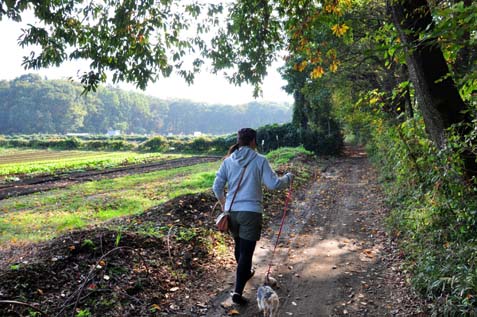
[(152, 264)]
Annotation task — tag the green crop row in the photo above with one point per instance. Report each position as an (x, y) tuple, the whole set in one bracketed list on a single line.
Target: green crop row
[(43, 215), (14, 163)]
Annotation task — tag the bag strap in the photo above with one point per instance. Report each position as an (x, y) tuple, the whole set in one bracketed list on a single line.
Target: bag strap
[(238, 187)]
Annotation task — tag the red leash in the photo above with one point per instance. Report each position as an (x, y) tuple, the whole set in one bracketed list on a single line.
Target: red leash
[(287, 200)]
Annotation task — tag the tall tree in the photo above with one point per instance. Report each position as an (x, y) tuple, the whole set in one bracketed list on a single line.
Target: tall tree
[(436, 92), (138, 42)]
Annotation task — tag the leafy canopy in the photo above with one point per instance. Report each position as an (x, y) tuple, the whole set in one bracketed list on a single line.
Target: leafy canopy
[(140, 41), (135, 41)]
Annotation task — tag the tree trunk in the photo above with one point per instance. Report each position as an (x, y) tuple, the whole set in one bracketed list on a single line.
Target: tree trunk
[(300, 118), (436, 93)]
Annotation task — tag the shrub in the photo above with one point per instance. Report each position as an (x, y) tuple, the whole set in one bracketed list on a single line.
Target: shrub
[(223, 143), (155, 144), (119, 145), (201, 144), (95, 145), (271, 137), (435, 213), (18, 143), (71, 143)]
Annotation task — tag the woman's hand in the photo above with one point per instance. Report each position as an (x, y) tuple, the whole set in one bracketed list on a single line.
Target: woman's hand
[(290, 177)]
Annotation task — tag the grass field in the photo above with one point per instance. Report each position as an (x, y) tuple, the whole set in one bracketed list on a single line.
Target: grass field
[(43, 215), (13, 162)]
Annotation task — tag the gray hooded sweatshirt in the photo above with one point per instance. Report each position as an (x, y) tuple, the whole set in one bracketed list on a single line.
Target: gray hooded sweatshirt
[(249, 196)]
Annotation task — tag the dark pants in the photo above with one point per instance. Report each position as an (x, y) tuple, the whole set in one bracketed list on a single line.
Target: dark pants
[(243, 255), (245, 227)]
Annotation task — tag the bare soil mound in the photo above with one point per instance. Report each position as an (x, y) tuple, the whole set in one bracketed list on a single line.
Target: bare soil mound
[(159, 270)]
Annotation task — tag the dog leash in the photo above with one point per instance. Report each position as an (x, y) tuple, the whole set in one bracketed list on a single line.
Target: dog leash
[(287, 200)]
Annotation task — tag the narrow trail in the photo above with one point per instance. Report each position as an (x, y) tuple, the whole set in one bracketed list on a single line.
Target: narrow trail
[(334, 257)]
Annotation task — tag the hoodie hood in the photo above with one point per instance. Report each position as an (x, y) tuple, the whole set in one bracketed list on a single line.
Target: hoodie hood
[(243, 156)]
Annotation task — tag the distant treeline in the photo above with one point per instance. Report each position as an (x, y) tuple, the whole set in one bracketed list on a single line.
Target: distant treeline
[(30, 104)]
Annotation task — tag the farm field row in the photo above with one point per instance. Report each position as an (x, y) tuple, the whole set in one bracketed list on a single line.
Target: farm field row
[(43, 215), (19, 155), (16, 162)]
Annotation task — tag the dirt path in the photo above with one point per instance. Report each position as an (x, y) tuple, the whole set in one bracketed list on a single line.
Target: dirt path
[(48, 182), (334, 258)]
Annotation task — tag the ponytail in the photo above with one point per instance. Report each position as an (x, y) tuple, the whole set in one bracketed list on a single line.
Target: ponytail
[(232, 149)]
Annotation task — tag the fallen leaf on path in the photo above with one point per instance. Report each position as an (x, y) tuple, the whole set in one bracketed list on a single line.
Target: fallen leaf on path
[(233, 312), (368, 253)]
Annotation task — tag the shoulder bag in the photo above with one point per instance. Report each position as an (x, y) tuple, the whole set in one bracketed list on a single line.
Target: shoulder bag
[(222, 220)]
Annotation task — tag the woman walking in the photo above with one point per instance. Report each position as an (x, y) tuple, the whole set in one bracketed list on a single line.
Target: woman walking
[(245, 170)]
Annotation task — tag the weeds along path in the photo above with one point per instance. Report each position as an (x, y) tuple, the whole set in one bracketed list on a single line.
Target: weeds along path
[(48, 182), (334, 257)]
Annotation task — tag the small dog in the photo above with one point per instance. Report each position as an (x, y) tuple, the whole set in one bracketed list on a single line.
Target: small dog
[(268, 301)]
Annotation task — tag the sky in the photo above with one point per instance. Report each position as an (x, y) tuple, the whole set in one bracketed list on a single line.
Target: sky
[(208, 88)]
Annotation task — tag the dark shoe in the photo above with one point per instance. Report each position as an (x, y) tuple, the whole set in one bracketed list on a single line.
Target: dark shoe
[(239, 299)]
